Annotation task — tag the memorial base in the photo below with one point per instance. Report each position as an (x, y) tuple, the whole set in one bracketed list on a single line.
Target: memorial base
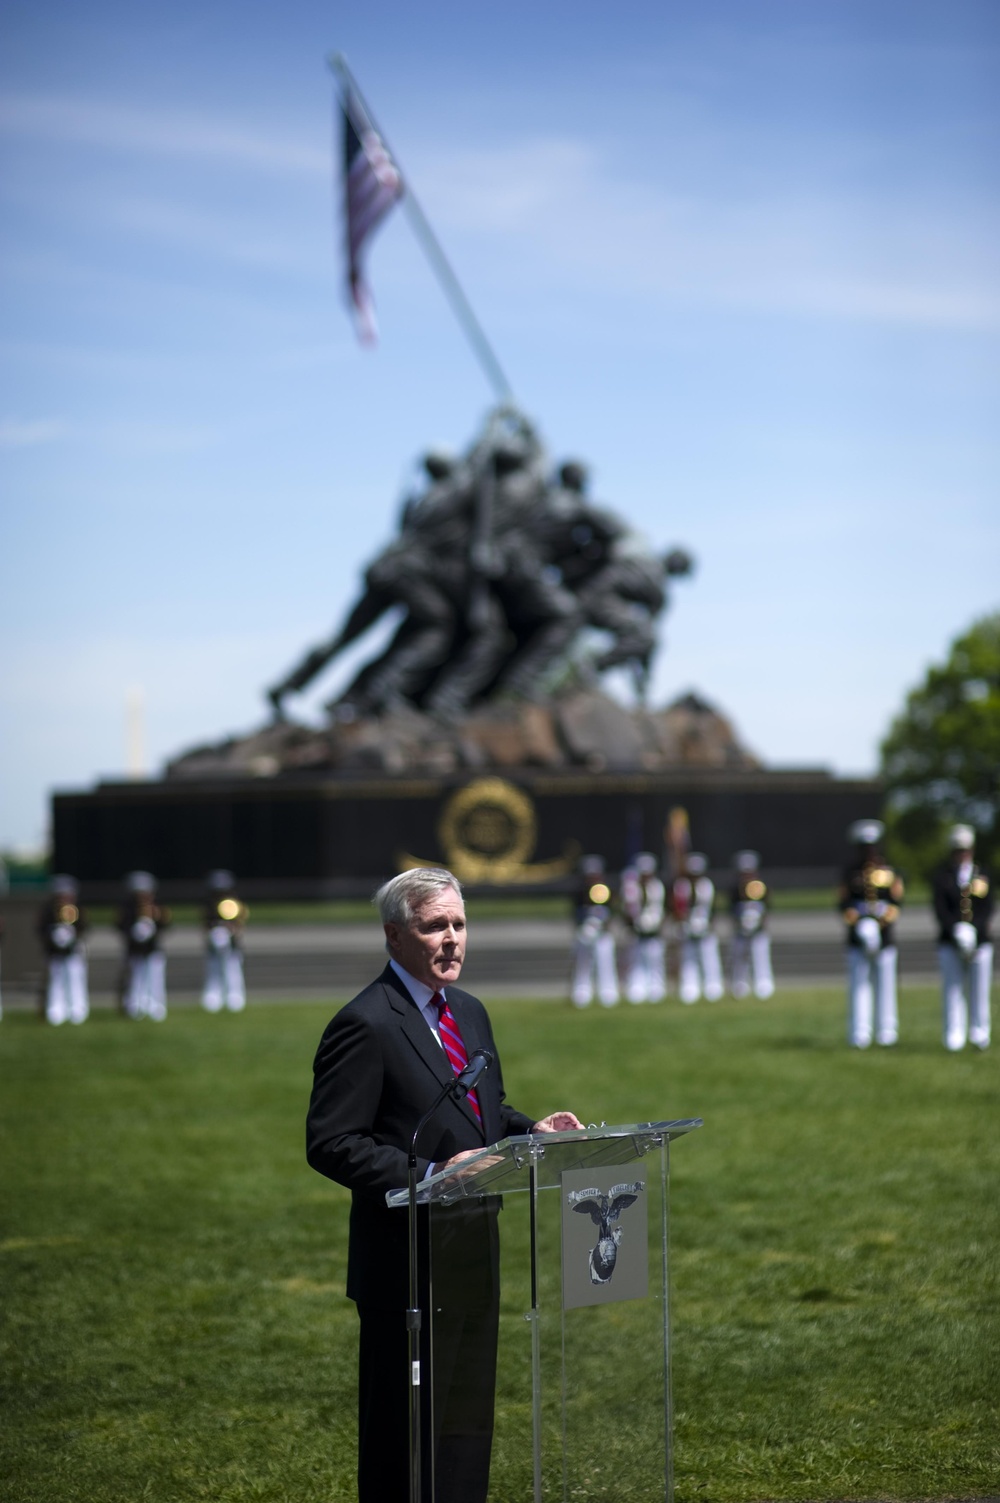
[(311, 837)]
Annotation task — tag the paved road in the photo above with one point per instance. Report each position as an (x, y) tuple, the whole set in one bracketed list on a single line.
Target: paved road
[(507, 957)]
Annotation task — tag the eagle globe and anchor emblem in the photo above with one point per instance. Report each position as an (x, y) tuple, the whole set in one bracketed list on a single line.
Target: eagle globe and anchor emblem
[(488, 831), (605, 1211)]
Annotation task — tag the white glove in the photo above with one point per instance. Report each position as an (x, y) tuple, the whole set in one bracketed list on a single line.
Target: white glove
[(869, 934), (965, 937), (751, 917)]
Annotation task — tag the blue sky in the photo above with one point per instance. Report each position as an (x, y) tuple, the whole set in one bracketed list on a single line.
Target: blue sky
[(743, 256)]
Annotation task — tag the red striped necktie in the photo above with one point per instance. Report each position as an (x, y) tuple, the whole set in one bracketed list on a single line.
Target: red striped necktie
[(453, 1046)]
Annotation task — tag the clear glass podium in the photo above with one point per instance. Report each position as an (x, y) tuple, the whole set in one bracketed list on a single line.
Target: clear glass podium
[(547, 1317)]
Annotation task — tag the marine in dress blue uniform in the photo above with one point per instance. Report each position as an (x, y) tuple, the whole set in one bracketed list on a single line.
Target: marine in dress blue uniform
[(750, 947), (642, 897), (225, 919), (595, 964), (692, 903), (142, 921), (62, 925), (869, 900), (963, 906)]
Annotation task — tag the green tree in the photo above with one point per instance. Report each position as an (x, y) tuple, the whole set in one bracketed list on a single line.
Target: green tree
[(941, 758)]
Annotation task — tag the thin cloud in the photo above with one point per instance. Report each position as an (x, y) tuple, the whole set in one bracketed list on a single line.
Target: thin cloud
[(140, 436), (221, 236), (149, 436), (885, 302), (916, 261), (20, 433), (172, 133)]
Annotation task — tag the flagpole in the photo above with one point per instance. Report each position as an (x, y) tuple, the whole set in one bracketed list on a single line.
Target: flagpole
[(449, 283)]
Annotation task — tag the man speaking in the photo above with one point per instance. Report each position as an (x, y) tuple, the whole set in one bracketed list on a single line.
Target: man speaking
[(381, 1064)]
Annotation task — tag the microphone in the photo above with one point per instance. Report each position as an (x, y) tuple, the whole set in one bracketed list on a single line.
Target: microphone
[(467, 1078), (457, 1088)]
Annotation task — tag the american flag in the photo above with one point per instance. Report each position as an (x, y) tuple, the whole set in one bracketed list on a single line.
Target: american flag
[(372, 184)]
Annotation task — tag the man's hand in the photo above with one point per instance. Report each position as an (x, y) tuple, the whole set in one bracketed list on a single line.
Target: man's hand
[(558, 1122), (451, 1165)]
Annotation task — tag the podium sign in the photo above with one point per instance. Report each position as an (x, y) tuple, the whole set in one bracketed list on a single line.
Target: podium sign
[(548, 1307), (600, 1264)]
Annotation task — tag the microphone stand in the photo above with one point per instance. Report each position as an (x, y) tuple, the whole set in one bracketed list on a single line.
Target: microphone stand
[(458, 1088)]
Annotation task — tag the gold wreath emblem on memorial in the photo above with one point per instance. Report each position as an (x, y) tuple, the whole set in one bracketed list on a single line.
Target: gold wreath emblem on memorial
[(488, 832)]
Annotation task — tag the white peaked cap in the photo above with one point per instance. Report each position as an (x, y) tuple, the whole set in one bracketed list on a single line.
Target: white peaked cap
[(696, 863), (645, 863), (746, 861), (963, 837), (866, 831), (140, 882)]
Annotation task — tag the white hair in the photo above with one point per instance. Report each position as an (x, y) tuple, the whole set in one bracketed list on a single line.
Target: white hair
[(397, 899)]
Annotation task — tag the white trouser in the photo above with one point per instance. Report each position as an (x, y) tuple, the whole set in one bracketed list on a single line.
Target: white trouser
[(224, 985), (594, 962), (647, 974), (146, 986), (871, 996), (965, 995), (700, 969), (66, 996), (750, 954)]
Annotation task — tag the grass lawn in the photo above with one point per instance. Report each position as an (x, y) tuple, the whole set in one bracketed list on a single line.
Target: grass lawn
[(174, 1326)]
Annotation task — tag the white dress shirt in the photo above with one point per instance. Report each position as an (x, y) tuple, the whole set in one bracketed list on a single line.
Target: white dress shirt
[(422, 995)]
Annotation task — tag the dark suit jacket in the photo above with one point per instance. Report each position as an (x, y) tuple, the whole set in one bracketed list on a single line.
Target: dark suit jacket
[(377, 1070)]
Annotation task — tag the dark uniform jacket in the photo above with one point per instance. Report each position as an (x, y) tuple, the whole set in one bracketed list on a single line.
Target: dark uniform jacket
[(141, 921), (691, 901), (593, 905), (749, 902), (225, 911), (871, 890), (971, 904), (643, 900), (61, 925), (377, 1070)]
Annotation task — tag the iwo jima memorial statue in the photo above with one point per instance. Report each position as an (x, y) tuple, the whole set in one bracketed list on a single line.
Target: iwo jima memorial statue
[(481, 736), (516, 593)]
